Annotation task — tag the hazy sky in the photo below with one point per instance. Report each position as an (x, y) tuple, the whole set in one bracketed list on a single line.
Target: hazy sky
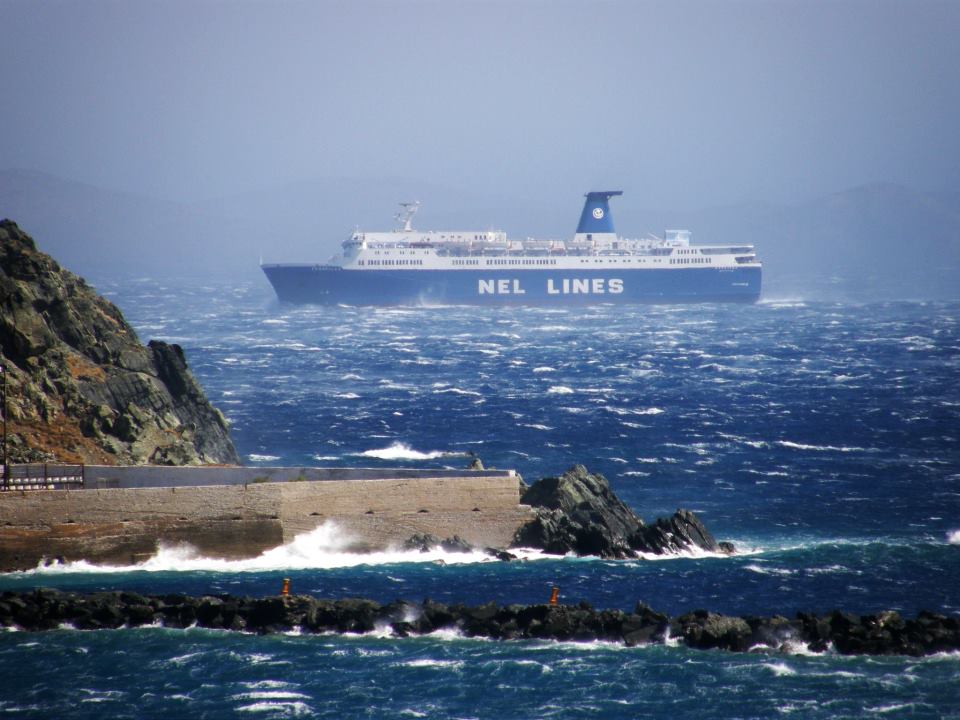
[(684, 104)]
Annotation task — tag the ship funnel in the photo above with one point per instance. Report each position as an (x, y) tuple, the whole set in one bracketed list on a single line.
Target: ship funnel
[(596, 217)]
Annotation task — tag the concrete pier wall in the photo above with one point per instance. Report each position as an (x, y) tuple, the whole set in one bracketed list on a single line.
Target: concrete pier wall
[(129, 476), (121, 525)]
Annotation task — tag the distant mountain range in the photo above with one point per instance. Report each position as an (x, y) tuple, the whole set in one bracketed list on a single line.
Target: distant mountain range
[(872, 242)]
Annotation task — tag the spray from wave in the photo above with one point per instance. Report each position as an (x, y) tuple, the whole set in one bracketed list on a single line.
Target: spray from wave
[(402, 451), (326, 547)]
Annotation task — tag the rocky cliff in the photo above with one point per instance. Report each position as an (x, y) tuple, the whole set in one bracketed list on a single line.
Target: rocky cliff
[(80, 385)]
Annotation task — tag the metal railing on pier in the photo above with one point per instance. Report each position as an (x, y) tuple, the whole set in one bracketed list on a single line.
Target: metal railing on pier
[(43, 476)]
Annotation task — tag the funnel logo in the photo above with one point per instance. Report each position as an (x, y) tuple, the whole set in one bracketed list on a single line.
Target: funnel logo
[(598, 213)]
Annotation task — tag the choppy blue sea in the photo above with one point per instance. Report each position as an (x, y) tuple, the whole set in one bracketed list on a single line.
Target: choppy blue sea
[(823, 439)]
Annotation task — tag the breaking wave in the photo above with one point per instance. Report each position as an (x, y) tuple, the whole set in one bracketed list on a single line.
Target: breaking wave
[(402, 451), (253, 457), (327, 546)]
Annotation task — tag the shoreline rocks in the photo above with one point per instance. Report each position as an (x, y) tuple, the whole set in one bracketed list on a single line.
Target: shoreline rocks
[(885, 633), (578, 512)]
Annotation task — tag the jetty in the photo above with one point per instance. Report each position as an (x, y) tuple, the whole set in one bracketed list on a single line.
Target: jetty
[(885, 633), (119, 514)]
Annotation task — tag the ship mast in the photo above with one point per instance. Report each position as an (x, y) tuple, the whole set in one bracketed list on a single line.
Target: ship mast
[(405, 216)]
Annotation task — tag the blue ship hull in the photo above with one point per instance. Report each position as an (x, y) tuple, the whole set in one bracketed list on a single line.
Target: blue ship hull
[(332, 285)]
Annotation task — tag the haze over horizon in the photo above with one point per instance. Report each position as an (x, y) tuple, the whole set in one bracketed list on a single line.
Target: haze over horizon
[(497, 113)]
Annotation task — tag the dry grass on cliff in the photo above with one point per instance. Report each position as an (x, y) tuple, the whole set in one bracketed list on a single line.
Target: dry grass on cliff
[(82, 369), (60, 440)]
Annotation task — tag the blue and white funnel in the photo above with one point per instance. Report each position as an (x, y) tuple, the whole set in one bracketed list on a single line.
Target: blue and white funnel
[(596, 217)]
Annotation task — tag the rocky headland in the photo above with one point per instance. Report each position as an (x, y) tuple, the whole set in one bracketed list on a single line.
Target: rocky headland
[(578, 513), (81, 388), (885, 633)]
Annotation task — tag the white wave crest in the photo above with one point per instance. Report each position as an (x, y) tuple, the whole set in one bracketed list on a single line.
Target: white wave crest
[(271, 695), (953, 537), (899, 708), (284, 709), (559, 390), (431, 663), (687, 553), (253, 457), (457, 391), (402, 451), (821, 448), (327, 546), (779, 669), (635, 411), (783, 572)]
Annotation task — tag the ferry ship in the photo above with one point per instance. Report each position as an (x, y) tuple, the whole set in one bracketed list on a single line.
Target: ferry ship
[(411, 267)]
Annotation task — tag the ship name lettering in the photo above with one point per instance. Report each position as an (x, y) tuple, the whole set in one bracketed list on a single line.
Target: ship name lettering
[(585, 286), (502, 286)]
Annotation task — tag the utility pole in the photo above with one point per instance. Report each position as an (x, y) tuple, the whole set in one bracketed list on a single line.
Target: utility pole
[(6, 463)]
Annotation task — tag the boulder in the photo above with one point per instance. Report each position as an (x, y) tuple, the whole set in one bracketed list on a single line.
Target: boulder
[(705, 630), (422, 542), (456, 544)]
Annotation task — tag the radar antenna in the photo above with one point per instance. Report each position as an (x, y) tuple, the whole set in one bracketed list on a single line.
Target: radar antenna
[(405, 216)]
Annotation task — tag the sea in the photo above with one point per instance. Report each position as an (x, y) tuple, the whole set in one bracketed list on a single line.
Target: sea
[(821, 438)]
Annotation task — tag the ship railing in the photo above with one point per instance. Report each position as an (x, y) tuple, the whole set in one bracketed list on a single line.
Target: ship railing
[(43, 476)]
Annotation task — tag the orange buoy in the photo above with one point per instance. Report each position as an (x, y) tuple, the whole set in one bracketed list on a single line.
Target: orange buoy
[(554, 594), (285, 590)]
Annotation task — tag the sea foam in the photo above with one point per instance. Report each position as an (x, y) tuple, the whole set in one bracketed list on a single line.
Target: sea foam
[(327, 546)]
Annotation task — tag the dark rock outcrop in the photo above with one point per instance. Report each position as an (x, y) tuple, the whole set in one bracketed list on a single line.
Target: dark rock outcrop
[(578, 512), (885, 633), (681, 531), (81, 387), (425, 542)]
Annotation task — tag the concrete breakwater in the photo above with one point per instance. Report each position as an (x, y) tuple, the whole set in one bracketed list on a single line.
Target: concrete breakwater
[(884, 633), (120, 515), (123, 513)]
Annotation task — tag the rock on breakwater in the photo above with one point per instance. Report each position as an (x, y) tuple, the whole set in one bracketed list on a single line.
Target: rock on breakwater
[(81, 387), (578, 512), (881, 634)]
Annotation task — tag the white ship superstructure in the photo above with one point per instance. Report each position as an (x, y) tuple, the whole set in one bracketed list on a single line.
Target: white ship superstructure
[(480, 266)]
